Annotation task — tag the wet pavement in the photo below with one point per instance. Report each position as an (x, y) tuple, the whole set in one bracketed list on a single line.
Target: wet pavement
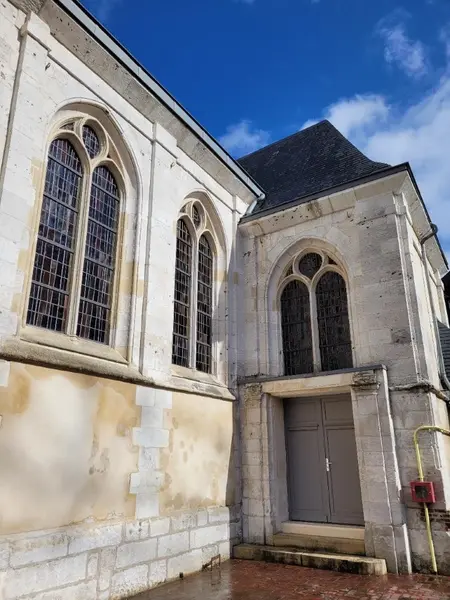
[(247, 580)]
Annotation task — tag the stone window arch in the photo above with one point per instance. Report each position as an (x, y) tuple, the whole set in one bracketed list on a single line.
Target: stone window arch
[(315, 324), (75, 263), (195, 266)]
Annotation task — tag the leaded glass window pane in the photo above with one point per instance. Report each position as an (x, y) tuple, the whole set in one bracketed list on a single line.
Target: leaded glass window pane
[(204, 305), (296, 329), (99, 261), (91, 141), (196, 217), (182, 296), (49, 295), (309, 264), (333, 322)]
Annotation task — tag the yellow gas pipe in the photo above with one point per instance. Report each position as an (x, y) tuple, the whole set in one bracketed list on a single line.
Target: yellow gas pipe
[(421, 478)]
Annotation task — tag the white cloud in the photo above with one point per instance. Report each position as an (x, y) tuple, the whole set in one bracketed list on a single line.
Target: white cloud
[(418, 134), (359, 112), (409, 55), (104, 8), (242, 138)]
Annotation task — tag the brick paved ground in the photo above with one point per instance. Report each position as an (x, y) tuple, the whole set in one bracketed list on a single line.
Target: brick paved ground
[(242, 580)]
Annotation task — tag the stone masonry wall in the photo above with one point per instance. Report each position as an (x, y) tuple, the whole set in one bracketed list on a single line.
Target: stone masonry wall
[(373, 232), (173, 528), (114, 560), (118, 557), (440, 525)]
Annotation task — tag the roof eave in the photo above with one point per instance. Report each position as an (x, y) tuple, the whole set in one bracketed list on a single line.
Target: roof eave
[(101, 35), (325, 192), (419, 195), (353, 183)]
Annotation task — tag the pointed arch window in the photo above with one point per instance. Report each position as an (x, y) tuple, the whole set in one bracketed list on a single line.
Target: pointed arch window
[(182, 296), (204, 305), (314, 316), (333, 322), (72, 284), (194, 289), (296, 328)]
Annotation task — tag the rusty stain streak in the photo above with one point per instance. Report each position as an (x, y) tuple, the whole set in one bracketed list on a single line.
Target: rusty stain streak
[(200, 445)]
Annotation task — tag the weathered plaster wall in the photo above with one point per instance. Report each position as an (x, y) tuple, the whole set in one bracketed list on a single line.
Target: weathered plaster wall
[(198, 463), (66, 453), (106, 488)]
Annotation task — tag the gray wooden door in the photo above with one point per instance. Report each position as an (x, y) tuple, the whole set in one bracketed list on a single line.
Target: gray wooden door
[(323, 477)]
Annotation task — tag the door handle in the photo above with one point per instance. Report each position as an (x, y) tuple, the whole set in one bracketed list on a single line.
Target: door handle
[(327, 464)]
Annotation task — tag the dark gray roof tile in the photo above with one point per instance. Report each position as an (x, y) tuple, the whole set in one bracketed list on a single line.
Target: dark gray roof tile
[(308, 162)]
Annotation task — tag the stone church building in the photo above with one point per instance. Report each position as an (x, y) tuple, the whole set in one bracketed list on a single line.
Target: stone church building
[(200, 356)]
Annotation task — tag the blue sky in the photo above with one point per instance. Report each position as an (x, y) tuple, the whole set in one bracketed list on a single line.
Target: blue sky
[(253, 71)]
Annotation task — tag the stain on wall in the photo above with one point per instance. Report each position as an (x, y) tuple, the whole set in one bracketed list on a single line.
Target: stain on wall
[(65, 449), (198, 464)]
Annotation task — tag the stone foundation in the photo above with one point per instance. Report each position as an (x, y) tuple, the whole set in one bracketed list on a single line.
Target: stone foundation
[(420, 551), (114, 560)]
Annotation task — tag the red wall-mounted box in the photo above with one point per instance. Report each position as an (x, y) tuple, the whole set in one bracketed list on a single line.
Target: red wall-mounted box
[(423, 492)]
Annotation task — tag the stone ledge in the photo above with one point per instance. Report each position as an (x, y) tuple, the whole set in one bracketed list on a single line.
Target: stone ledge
[(21, 351), (342, 563)]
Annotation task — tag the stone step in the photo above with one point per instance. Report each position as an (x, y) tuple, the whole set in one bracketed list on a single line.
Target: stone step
[(344, 563), (320, 543)]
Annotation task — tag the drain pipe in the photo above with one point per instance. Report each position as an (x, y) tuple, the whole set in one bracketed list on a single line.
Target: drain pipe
[(445, 383), (442, 373), (421, 478)]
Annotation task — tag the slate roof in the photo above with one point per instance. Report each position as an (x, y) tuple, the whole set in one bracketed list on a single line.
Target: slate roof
[(444, 334), (308, 162)]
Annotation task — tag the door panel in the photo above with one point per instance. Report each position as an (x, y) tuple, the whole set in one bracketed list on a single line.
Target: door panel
[(318, 429), (301, 413), (307, 500), (343, 476), (337, 409), (307, 485)]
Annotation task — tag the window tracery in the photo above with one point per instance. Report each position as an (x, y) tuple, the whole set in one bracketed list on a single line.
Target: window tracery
[(314, 316)]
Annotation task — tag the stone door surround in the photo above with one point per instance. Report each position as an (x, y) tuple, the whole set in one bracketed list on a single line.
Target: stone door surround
[(265, 505)]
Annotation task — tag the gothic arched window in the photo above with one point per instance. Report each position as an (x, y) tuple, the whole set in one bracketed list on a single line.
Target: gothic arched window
[(99, 257), (193, 297), (296, 328), (314, 316), (182, 296), (53, 264), (78, 230), (204, 305), (332, 319)]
